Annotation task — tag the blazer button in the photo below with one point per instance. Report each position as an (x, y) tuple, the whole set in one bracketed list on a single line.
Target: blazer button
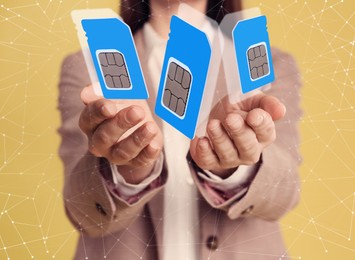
[(212, 242), (248, 210), (100, 209)]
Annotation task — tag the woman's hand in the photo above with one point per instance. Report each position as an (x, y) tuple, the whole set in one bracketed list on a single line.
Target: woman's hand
[(237, 134), (123, 132)]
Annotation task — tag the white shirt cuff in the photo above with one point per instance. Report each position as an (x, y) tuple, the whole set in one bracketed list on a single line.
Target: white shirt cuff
[(238, 178), (128, 189)]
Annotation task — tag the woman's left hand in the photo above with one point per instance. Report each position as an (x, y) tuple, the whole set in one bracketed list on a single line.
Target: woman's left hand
[(237, 134)]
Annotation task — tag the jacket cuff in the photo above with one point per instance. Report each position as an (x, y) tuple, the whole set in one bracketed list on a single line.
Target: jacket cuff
[(239, 178), (128, 192), (127, 189), (213, 190)]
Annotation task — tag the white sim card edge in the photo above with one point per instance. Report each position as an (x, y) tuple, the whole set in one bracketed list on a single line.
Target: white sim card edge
[(231, 70), (220, 39), (211, 29), (77, 16)]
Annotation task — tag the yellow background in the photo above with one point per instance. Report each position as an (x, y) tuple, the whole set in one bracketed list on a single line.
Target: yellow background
[(36, 35)]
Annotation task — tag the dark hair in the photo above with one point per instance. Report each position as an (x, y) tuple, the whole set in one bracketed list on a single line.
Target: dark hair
[(136, 12)]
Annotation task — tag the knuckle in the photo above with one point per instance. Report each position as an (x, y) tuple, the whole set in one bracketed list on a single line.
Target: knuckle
[(227, 157), (202, 165), (269, 130), (145, 156), (258, 110), (113, 158), (234, 125), (121, 155), (232, 163), (155, 151), (254, 158), (124, 118), (137, 139), (247, 147), (214, 129), (267, 119), (100, 137), (218, 137), (205, 164), (97, 105), (100, 109), (235, 130), (143, 136), (229, 166), (251, 158), (203, 148), (143, 160), (199, 160), (92, 149)]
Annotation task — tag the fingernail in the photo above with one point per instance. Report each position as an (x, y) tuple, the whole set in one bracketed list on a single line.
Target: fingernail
[(133, 115)]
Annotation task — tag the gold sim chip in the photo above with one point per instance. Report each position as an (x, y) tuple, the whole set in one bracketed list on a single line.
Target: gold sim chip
[(114, 70), (177, 88), (258, 61)]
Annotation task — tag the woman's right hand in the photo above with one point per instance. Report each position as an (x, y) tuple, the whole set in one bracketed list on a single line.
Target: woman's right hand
[(124, 132)]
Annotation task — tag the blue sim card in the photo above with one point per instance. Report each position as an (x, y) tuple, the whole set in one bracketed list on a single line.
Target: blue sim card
[(115, 58), (252, 47), (183, 77)]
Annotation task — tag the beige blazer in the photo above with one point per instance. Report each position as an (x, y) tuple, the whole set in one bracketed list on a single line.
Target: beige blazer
[(245, 229)]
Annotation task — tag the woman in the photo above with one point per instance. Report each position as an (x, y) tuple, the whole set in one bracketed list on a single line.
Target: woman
[(137, 189)]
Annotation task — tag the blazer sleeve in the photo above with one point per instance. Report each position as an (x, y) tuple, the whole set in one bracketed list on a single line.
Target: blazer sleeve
[(275, 188), (89, 205)]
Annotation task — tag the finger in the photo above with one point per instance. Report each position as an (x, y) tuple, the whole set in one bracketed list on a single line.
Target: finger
[(261, 122), (88, 95), (222, 144), (273, 106), (109, 131), (130, 147), (148, 155), (95, 113), (204, 156), (244, 138)]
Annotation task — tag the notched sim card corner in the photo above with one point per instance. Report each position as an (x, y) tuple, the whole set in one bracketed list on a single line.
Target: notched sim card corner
[(183, 77), (253, 53), (115, 58)]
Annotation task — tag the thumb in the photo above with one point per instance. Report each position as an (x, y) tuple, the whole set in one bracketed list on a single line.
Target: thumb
[(88, 95), (273, 106), (193, 145)]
